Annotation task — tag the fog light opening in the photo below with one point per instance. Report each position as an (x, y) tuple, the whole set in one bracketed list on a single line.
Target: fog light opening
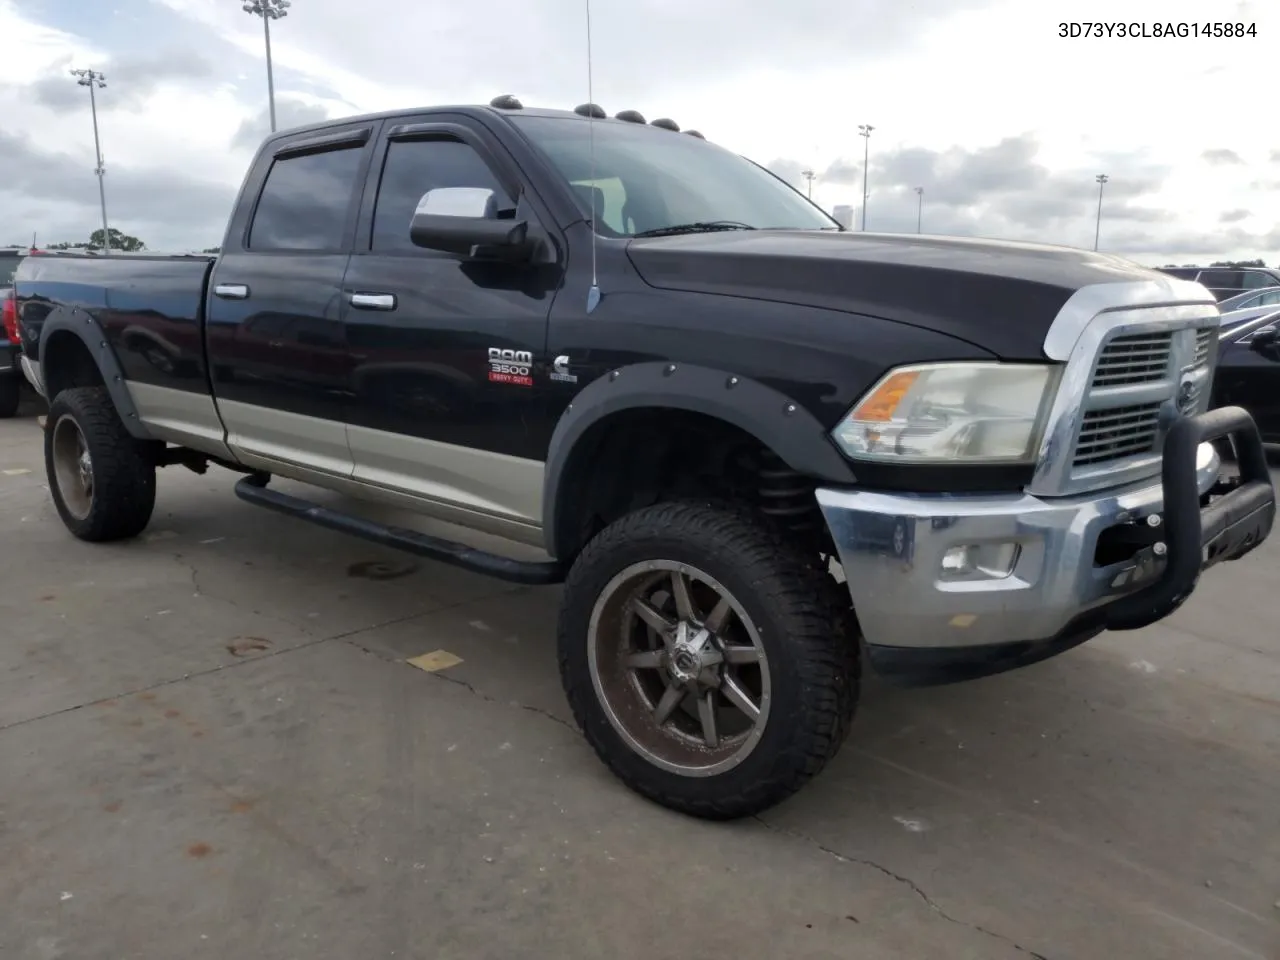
[(980, 561)]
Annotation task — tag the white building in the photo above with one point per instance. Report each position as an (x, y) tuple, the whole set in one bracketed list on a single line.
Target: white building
[(844, 216)]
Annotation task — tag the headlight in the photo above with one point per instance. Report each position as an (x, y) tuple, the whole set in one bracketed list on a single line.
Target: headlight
[(968, 412)]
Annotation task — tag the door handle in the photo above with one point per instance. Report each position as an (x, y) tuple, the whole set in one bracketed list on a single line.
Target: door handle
[(373, 301), (231, 291)]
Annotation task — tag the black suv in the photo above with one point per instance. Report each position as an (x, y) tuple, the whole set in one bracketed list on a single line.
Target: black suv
[(1226, 282)]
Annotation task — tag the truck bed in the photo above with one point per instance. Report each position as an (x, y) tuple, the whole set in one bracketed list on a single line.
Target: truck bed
[(149, 308)]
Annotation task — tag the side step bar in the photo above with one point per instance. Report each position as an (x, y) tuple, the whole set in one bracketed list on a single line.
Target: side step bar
[(253, 489)]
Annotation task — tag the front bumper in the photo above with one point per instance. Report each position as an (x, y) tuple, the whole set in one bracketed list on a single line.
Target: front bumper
[(1026, 577)]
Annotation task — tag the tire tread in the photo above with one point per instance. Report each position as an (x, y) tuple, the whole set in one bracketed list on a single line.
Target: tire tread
[(818, 636)]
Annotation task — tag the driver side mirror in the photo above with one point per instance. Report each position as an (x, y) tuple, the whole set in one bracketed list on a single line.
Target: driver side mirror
[(1265, 338), (464, 220)]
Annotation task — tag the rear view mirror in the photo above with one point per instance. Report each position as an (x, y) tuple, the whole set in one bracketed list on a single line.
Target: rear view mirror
[(464, 220)]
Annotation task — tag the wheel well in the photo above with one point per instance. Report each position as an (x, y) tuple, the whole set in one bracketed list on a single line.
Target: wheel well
[(636, 458), (66, 362)]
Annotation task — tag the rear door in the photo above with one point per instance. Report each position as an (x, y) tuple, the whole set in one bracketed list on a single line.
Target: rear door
[(445, 384), (277, 350)]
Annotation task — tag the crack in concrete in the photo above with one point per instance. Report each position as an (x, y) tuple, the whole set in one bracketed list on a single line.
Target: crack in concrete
[(239, 662), (203, 593), (470, 687), (905, 881)]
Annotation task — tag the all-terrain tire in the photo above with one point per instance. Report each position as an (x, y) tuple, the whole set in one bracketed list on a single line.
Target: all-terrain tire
[(803, 623), (123, 477), (10, 395)]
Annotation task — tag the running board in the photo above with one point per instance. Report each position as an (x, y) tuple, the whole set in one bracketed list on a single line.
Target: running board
[(253, 489)]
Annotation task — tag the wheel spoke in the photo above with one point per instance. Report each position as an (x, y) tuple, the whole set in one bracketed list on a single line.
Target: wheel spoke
[(673, 697), (680, 591), (741, 655), (738, 697), (645, 660), (707, 714), (719, 616), (646, 612)]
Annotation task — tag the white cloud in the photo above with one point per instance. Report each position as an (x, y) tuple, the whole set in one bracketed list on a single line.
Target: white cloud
[(986, 88)]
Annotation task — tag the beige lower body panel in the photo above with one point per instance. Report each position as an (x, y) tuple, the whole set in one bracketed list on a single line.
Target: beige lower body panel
[(180, 417), (259, 434), (488, 492)]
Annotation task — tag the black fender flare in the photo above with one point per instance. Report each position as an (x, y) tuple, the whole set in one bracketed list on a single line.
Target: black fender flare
[(63, 320), (773, 418)]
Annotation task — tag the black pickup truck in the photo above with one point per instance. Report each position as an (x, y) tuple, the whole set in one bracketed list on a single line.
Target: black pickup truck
[(752, 444)]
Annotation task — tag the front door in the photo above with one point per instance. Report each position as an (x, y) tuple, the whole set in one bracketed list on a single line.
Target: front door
[(277, 349), (445, 382)]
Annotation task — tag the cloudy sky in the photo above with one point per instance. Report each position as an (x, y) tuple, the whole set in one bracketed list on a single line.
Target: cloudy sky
[(1003, 123)]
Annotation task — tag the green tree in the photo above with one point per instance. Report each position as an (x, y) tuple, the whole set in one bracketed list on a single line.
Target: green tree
[(119, 241), (212, 250)]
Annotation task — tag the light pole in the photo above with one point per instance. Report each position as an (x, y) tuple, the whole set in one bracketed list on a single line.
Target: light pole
[(1102, 178), (95, 81), (268, 10), (864, 131), (809, 175), (919, 207)]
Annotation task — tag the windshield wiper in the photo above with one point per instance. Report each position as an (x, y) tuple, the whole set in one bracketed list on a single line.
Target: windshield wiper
[(700, 226)]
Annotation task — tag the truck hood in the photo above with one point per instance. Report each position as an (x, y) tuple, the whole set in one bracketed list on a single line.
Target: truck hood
[(1000, 296)]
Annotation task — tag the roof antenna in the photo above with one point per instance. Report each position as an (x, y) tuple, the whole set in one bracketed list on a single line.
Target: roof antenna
[(593, 295)]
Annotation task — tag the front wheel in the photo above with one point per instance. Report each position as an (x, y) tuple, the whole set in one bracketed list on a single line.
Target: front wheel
[(710, 665), (103, 484)]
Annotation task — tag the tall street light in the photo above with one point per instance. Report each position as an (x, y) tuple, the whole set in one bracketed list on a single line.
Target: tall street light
[(96, 81), (919, 207), (1102, 178), (268, 10), (809, 175), (864, 131)]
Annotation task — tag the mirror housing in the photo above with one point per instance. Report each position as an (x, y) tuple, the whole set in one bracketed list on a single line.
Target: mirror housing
[(1265, 338), (464, 220)]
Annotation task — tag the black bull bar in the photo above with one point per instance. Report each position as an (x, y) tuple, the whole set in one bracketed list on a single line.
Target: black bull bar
[(1237, 517)]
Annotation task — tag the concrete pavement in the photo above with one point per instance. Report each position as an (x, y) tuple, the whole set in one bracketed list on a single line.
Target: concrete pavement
[(212, 745)]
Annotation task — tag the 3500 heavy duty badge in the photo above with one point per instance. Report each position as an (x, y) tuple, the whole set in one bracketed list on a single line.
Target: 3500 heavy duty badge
[(511, 366)]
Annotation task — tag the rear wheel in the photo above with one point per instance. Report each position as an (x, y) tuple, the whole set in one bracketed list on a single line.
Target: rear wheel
[(102, 482), (711, 666), (10, 396)]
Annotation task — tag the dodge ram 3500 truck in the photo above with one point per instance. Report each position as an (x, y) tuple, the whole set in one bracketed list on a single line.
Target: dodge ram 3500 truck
[(752, 444)]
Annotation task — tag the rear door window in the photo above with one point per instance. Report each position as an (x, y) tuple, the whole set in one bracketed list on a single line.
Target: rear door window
[(305, 202)]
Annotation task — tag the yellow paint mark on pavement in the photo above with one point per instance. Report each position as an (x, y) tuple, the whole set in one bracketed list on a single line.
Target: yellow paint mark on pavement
[(435, 660), (963, 620), (16, 473)]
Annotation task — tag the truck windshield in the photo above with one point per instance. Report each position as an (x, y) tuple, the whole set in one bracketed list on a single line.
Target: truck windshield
[(649, 180)]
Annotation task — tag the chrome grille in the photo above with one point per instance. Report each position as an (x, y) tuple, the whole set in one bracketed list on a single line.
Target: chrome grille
[(1116, 433), (1204, 342), (1134, 358), (1137, 375)]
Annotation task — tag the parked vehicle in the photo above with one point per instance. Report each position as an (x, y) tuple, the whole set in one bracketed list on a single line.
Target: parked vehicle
[(1226, 282), (10, 349), (749, 441), (1236, 317), (1249, 371), (1266, 297)]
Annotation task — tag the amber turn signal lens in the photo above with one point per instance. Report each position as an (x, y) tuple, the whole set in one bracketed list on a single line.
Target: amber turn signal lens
[(881, 405)]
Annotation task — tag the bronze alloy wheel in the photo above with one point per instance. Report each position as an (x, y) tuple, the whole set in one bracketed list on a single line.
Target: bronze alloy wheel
[(72, 467), (679, 668)]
